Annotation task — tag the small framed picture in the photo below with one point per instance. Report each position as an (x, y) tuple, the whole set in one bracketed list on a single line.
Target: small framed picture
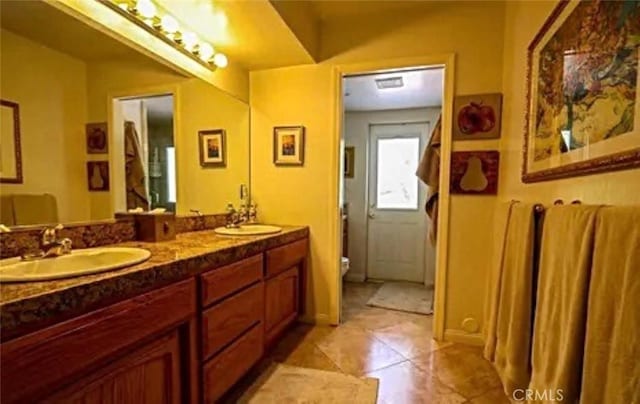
[(288, 145), (349, 156), (477, 116), (98, 175), (213, 148), (97, 140), (475, 172)]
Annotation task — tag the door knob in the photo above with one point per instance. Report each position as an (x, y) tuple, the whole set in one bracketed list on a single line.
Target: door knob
[(371, 215)]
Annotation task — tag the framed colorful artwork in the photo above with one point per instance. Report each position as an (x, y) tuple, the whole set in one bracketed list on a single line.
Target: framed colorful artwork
[(583, 114), (98, 175), (477, 116), (475, 172), (213, 148), (349, 161), (288, 145), (97, 140)]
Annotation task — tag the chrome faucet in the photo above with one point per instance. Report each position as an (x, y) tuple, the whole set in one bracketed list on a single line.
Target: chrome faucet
[(236, 218), (51, 245)]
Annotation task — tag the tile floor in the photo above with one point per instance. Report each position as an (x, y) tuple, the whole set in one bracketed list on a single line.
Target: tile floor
[(396, 348)]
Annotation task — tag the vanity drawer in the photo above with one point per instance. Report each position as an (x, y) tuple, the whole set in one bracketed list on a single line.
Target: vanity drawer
[(221, 372), (227, 320), (224, 281), (282, 258)]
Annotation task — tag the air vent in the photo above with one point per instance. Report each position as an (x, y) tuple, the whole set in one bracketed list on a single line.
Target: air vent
[(391, 82)]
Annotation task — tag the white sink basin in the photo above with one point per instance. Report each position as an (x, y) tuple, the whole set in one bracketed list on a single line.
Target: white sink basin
[(79, 262), (248, 230)]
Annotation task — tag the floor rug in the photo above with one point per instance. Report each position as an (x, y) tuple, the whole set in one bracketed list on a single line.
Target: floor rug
[(404, 296), (291, 384)]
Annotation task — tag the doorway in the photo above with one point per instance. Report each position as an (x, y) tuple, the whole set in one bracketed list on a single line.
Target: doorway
[(144, 162), (386, 238)]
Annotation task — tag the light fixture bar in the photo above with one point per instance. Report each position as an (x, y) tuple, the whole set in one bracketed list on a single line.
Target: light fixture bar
[(144, 14)]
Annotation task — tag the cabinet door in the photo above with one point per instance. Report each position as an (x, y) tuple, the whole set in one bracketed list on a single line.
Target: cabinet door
[(150, 375), (282, 302)]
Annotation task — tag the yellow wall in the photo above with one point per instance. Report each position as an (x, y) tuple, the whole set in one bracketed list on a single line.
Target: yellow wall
[(305, 95), (617, 188), (200, 106), (50, 88)]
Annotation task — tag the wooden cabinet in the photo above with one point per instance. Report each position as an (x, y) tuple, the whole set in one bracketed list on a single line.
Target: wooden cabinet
[(130, 345), (284, 287), (150, 374), (225, 322), (184, 343), (282, 302)]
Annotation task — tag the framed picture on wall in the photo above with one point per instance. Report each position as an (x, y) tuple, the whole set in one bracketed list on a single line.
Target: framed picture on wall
[(349, 156), (583, 114), (213, 148), (97, 140), (10, 150), (477, 116), (98, 175), (475, 172), (288, 145)]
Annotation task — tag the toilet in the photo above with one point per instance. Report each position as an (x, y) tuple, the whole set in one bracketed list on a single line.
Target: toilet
[(345, 265)]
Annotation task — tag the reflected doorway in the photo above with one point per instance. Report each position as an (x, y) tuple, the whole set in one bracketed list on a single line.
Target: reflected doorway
[(144, 162)]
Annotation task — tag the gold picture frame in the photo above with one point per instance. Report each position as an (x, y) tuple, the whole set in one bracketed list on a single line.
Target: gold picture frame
[(288, 145), (579, 120), (212, 147)]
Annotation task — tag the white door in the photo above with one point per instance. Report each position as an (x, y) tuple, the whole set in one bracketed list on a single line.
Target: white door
[(397, 222)]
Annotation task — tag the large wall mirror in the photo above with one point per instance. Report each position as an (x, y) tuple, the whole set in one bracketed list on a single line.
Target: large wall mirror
[(104, 129)]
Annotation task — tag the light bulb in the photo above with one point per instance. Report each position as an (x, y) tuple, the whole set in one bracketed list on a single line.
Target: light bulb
[(205, 51), (220, 60), (169, 24), (146, 8), (190, 40)]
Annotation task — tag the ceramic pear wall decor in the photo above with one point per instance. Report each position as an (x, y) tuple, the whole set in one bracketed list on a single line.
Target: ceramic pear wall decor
[(475, 172), (474, 178)]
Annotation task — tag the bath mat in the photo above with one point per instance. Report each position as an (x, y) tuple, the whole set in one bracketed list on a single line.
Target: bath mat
[(291, 384), (404, 296)]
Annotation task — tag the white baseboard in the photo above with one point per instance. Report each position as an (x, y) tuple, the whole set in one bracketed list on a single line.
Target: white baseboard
[(349, 277), (462, 337)]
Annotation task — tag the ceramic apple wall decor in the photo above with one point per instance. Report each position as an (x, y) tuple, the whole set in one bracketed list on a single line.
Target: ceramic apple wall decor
[(477, 116)]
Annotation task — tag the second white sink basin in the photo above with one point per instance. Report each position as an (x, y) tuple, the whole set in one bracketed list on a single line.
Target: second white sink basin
[(79, 262), (248, 230)]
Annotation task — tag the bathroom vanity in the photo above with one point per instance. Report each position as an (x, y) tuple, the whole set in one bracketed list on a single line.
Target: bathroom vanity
[(181, 327)]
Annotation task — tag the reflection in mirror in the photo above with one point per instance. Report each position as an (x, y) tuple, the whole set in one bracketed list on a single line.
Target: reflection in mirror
[(106, 129)]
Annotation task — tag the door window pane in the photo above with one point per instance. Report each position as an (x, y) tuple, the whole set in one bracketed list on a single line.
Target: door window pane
[(397, 185)]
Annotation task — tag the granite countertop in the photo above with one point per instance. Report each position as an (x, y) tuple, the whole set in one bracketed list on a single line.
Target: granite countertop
[(28, 306)]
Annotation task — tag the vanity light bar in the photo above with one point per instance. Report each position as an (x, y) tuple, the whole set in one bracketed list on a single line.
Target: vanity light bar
[(144, 13)]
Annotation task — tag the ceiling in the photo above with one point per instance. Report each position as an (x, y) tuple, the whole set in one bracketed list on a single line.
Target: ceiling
[(422, 88), (332, 10), (42, 23)]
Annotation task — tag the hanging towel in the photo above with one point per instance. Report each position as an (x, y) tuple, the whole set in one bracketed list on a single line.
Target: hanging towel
[(492, 290), (429, 172), (137, 195), (561, 304), (611, 370), (508, 344)]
